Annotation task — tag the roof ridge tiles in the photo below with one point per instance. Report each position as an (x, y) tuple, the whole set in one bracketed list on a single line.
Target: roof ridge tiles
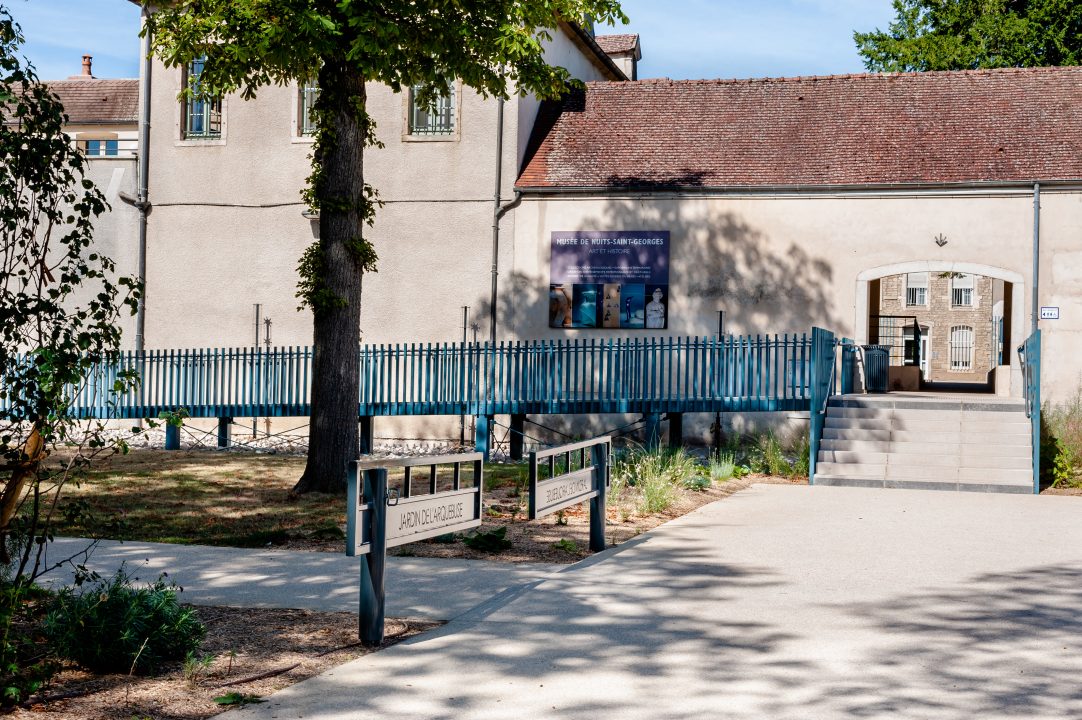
[(923, 75)]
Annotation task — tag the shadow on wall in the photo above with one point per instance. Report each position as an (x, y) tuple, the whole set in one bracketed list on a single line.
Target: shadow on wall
[(718, 262)]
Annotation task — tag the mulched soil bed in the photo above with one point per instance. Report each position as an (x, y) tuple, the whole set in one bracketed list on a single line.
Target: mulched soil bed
[(255, 652)]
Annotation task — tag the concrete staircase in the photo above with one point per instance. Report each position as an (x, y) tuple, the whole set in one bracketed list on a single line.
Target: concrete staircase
[(929, 442)]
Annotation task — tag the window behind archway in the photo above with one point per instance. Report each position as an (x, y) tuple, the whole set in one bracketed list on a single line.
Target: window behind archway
[(961, 348)]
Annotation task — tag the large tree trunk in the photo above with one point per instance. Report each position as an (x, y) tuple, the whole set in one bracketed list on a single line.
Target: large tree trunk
[(335, 373)]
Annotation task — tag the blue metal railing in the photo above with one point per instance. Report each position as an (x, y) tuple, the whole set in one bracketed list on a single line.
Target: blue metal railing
[(640, 375), (823, 365), (1029, 353)]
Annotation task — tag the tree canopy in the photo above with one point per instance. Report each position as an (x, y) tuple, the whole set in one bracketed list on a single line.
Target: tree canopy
[(493, 46), (974, 34)]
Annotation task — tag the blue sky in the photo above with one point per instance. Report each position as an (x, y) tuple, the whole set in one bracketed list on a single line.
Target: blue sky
[(680, 38)]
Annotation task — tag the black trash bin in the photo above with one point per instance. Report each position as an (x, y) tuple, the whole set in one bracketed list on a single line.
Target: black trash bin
[(876, 364)]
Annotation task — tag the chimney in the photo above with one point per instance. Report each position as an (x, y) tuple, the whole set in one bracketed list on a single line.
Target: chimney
[(87, 61)]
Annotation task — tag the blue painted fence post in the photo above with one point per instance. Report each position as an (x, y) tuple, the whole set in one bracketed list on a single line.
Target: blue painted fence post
[(653, 430), (366, 434), (849, 366), (822, 377), (482, 434), (676, 430), (518, 436), (225, 431), (371, 607), (172, 436)]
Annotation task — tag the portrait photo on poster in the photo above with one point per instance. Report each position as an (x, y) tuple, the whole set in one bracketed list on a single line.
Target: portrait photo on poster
[(609, 279), (656, 311)]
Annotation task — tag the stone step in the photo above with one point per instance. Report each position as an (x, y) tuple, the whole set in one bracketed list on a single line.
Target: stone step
[(854, 445), (853, 481), (994, 463), (920, 436), (851, 469), (997, 450), (984, 475), (856, 457), (845, 433), (845, 422)]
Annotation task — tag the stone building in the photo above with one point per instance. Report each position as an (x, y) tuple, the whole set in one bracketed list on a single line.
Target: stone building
[(960, 318)]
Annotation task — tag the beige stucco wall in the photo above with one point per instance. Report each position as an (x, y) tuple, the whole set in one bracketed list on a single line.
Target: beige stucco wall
[(116, 232), (782, 263)]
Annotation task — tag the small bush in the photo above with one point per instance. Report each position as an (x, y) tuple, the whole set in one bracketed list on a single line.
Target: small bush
[(1061, 442), (657, 494), (655, 476), (114, 627), (698, 483), (723, 467), (491, 541), (802, 464)]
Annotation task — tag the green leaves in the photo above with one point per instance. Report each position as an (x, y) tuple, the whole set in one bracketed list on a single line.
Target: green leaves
[(972, 34)]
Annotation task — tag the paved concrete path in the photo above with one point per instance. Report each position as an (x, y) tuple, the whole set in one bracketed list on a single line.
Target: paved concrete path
[(779, 602), (416, 587)]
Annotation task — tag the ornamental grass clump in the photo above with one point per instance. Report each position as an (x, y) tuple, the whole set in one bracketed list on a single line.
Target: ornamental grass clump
[(113, 626), (651, 478)]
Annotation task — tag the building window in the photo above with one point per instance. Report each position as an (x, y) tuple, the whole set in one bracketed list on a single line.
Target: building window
[(916, 289), (438, 119), (306, 125), (962, 290), (202, 115), (962, 348), (100, 148)]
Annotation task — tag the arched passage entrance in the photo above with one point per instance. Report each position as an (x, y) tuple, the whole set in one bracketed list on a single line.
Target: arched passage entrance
[(1014, 302)]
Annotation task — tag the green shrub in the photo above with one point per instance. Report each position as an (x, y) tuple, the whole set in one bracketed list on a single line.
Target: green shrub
[(654, 475), (698, 483), (723, 467), (802, 464), (1061, 442), (25, 666), (656, 494), (112, 626), (492, 541)]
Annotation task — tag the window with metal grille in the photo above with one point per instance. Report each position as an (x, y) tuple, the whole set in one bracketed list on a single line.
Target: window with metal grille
[(916, 289), (306, 124), (962, 290), (202, 114), (438, 119), (100, 148), (961, 347)]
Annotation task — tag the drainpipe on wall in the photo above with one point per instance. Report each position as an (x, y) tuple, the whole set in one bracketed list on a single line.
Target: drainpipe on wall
[(142, 200), (1035, 309), (496, 215)]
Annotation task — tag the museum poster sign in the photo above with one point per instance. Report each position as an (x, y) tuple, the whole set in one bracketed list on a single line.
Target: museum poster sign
[(610, 279)]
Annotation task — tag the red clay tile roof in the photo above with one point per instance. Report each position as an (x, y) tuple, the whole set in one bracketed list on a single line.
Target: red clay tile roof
[(617, 43), (945, 127), (96, 101)]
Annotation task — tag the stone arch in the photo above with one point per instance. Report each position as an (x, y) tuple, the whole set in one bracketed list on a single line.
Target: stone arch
[(1018, 298)]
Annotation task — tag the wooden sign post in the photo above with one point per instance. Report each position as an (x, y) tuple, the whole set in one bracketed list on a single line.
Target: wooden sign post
[(577, 483), (378, 519)]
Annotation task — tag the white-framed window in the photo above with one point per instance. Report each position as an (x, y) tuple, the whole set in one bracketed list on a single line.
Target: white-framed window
[(962, 290), (961, 348), (435, 120), (202, 115), (308, 92), (99, 146), (916, 289)]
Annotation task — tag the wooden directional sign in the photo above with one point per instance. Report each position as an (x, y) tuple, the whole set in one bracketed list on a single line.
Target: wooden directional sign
[(574, 485), (425, 516), (377, 519), (564, 491)]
